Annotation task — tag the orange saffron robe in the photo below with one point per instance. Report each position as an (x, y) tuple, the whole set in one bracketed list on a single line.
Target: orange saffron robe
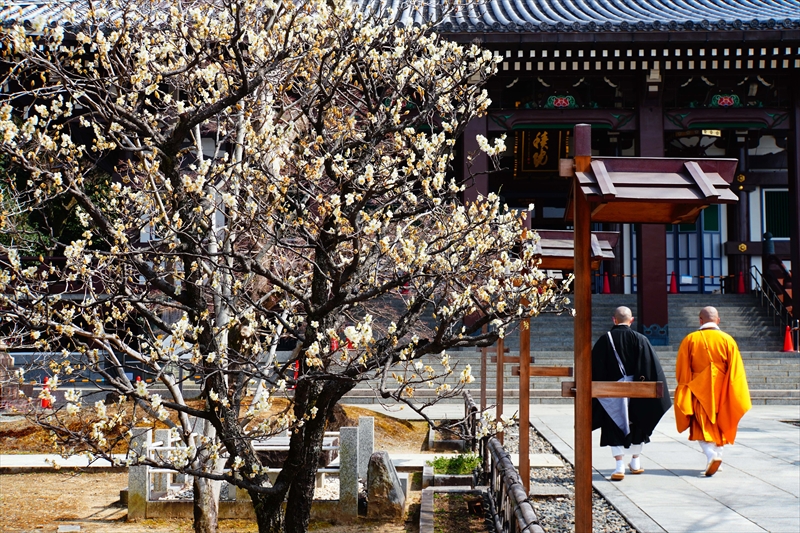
[(712, 393)]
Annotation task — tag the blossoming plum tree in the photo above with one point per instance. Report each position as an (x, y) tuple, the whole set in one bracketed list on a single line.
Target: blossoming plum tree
[(273, 171)]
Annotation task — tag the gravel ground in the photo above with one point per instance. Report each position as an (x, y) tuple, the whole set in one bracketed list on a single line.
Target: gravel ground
[(557, 515)]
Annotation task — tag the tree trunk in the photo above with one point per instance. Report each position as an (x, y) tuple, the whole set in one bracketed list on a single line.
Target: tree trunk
[(206, 491), (206, 505), (269, 512), (301, 492)]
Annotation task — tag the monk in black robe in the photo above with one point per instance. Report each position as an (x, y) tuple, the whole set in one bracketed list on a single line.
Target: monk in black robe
[(626, 424)]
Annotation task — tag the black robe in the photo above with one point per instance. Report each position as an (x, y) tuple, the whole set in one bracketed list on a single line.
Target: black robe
[(641, 362)]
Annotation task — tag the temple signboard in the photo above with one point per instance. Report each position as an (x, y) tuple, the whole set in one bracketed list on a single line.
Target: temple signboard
[(537, 152)]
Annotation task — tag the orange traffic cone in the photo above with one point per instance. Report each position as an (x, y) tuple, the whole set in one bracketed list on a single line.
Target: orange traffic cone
[(606, 285), (296, 374), (788, 346), (673, 284), (46, 403), (740, 286)]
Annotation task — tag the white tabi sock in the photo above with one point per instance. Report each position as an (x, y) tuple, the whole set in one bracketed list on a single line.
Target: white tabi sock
[(620, 467), (708, 449), (635, 464)]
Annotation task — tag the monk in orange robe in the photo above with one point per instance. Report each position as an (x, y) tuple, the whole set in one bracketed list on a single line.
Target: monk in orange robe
[(712, 393)]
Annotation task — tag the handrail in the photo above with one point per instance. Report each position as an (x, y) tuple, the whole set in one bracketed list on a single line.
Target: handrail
[(779, 310), (773, 301)]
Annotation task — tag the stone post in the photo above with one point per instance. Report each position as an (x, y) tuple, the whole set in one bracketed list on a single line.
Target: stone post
[(161, 481), (366, 443), (138, 482), (348, 472)]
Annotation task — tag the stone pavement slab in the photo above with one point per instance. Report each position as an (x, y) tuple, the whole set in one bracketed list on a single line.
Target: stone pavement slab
[(418, 460), (758, 489), (549, 491), (17, 463)]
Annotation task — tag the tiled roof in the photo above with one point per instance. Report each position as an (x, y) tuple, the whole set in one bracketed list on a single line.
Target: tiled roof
[(615, 15), (27, 10), (547, 15)]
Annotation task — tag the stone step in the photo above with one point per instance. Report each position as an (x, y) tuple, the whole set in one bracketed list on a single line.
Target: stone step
[(774, 376), (553, 396)]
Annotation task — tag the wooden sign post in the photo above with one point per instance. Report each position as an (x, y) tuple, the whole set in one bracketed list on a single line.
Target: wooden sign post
[(583, 340), (620, 190), (555, 251)]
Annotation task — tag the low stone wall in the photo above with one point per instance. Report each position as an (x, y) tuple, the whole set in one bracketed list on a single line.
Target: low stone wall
[(356, 445), (327, 510)]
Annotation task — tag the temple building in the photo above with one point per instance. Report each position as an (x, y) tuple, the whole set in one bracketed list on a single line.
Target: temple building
[(657, 78)]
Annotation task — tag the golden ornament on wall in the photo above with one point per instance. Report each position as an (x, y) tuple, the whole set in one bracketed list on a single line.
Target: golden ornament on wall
[(742, 247)]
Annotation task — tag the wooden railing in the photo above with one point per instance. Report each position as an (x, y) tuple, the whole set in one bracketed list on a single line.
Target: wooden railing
[(471, 415), (510, 509)]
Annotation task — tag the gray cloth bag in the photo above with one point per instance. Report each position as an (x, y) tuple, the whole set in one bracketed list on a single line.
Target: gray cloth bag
[(617, 408)]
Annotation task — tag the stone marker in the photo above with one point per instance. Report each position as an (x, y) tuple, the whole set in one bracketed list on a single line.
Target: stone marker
[(385, 496), (138, 490), (366, 443), (348, 471), (68, 528)]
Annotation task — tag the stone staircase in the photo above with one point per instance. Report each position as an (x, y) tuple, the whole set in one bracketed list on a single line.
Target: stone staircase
[(773, 375)]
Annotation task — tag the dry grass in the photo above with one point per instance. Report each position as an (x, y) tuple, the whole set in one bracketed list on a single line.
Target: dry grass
[(391, 434), (43, 501)]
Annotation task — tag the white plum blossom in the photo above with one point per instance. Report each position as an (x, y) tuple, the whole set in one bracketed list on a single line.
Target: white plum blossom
[(495, 149), (466, 375), (141, 389), (268, 205)]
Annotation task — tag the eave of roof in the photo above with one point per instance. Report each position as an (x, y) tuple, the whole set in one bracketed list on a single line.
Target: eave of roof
[(551, 19), (594, 16)]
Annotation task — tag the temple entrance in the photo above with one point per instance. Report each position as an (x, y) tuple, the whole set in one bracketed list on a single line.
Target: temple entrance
[(694, 253)]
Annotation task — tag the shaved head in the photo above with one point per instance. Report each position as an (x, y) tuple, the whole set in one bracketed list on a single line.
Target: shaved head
[(623, 315), (709, 314)]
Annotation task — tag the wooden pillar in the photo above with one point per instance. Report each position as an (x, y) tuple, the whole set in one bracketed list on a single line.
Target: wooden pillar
[(617, 281), (524, 404), (794, 194), (498, 391), (484, 368), (651, 239), (742, 260), (475, 161), (583, 338), (738, 218)]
